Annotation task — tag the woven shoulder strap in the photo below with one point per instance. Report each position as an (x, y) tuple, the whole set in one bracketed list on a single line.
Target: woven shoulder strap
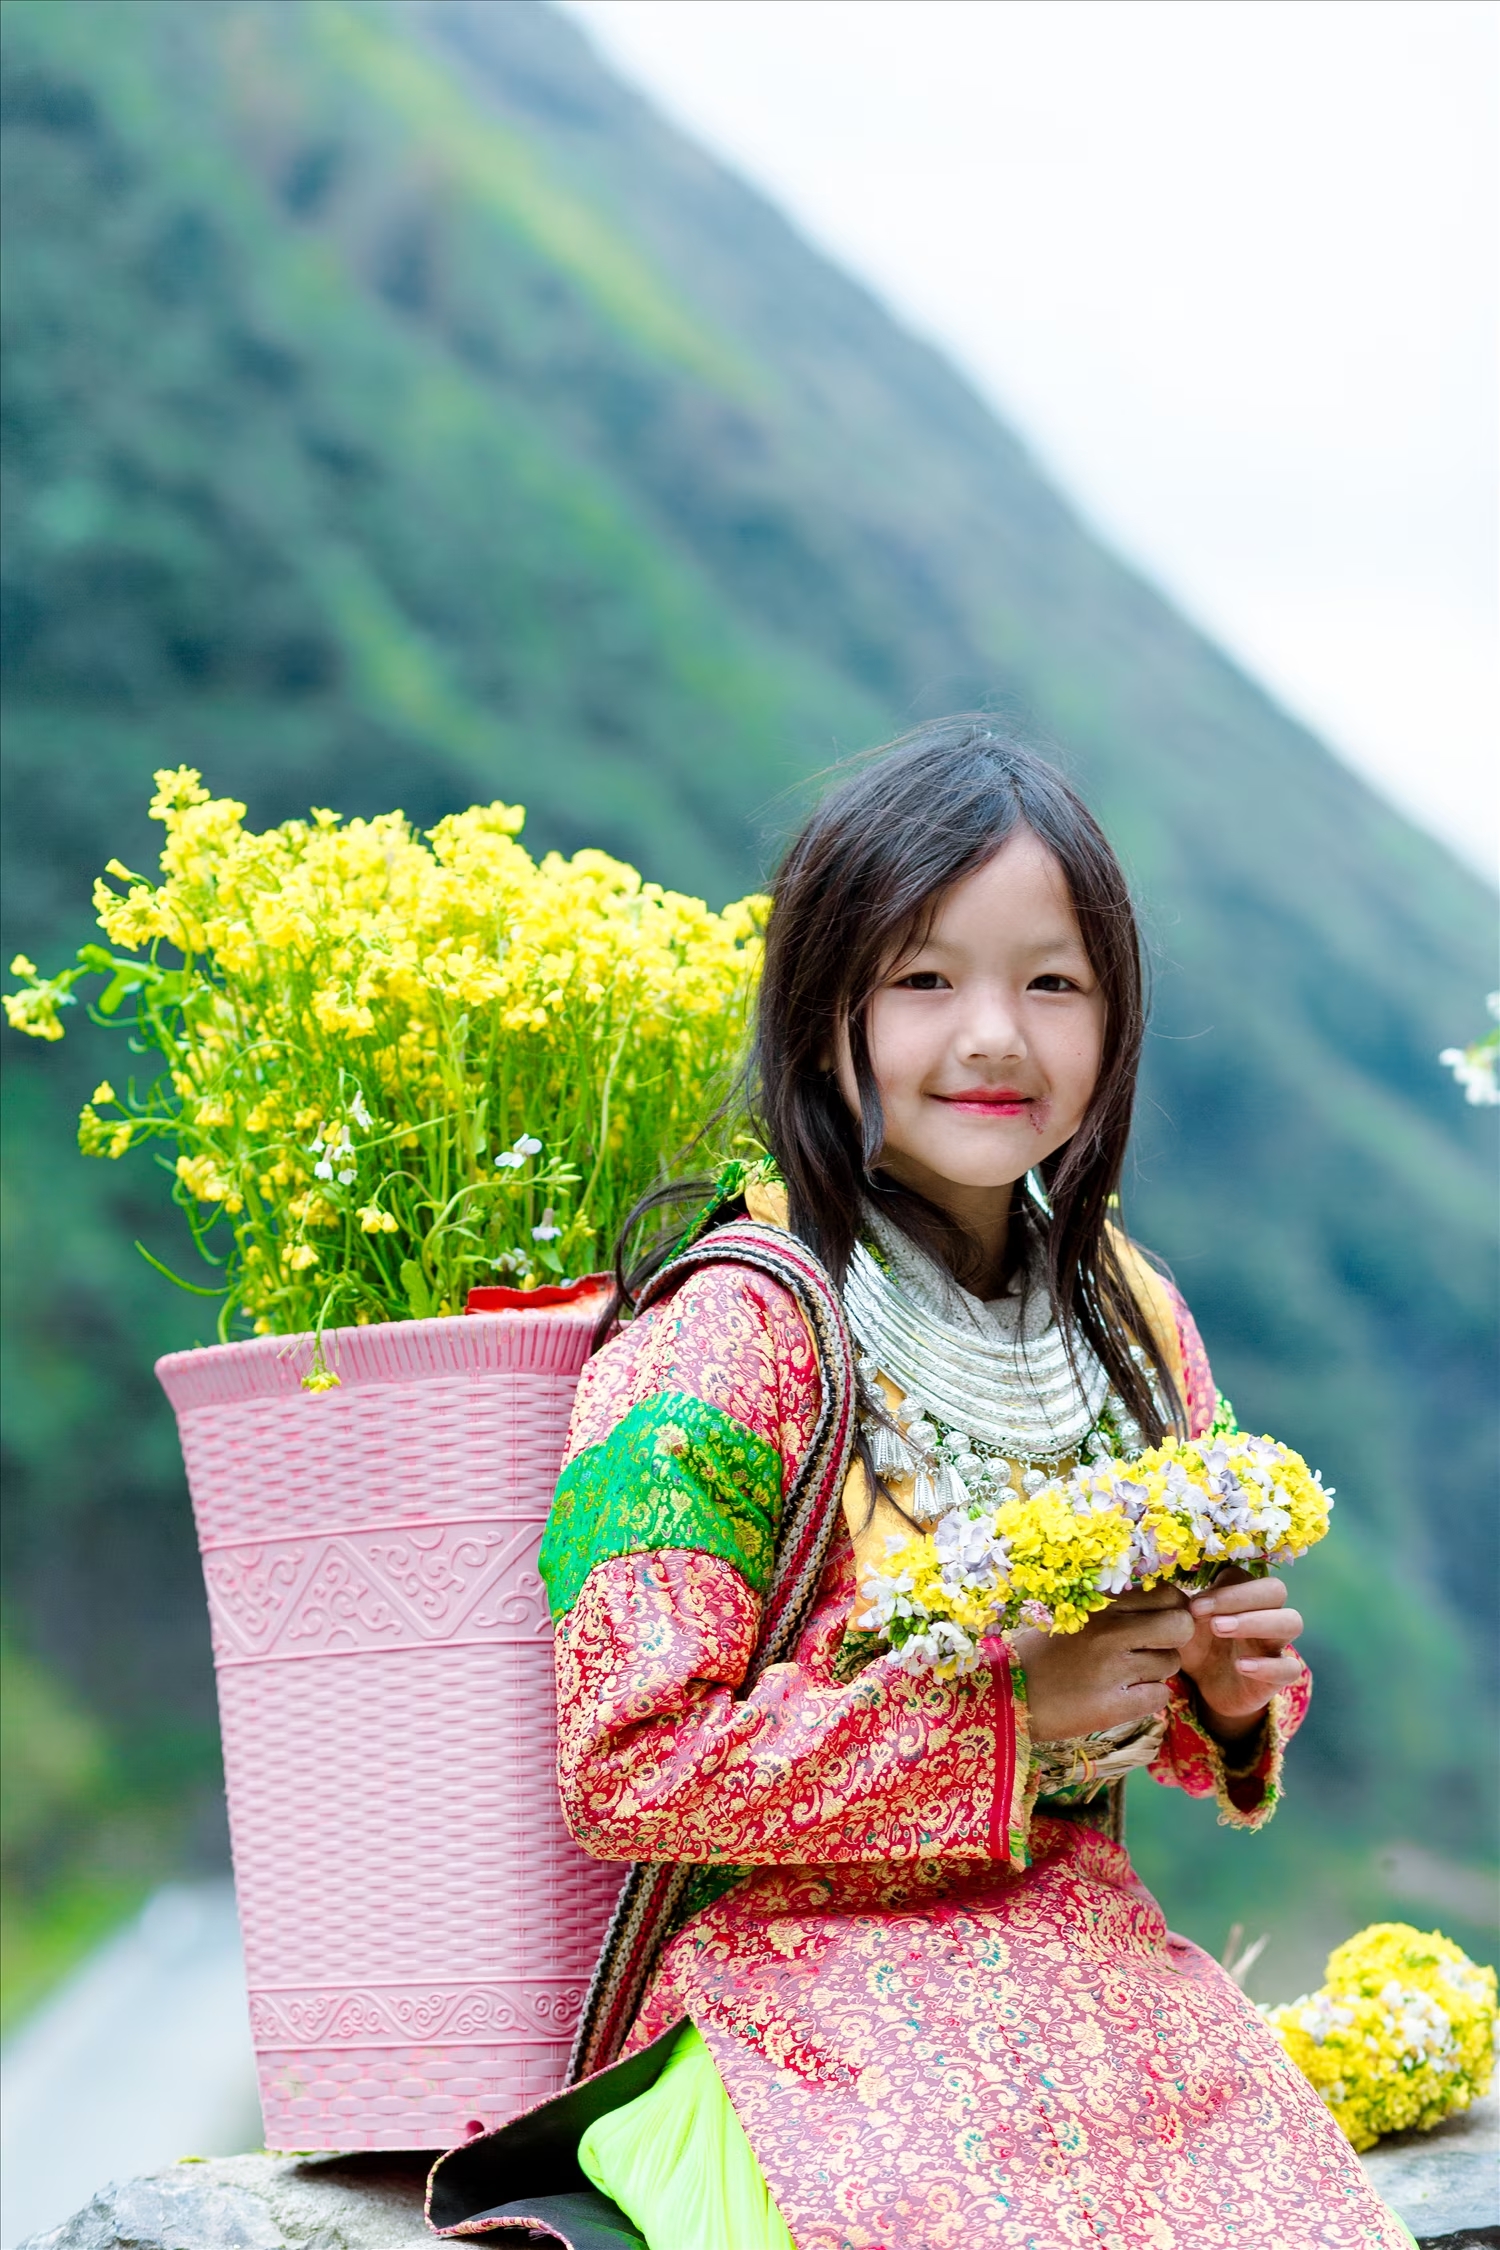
[(653, 1891)]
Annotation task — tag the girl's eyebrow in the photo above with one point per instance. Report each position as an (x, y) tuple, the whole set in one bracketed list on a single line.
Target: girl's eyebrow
[(1050, 942)]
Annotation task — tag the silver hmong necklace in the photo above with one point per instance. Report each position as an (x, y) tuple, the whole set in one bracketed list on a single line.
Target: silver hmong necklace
[(981, 1411)]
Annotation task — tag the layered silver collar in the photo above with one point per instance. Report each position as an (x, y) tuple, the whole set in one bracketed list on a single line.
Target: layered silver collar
[(997, 1370), (991, 1397)]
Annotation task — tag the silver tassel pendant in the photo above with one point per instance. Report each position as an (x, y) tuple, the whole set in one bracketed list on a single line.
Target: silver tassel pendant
[(890, 1455), (952, 1492), (925, 1504)]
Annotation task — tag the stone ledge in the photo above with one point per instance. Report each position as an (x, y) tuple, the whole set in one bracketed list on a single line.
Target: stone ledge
[(257, 2203), (1445, 2185)]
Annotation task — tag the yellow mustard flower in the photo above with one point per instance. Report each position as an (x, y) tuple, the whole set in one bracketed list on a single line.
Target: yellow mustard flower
[(1399, 2036), (1179, 1511), (466, 994)]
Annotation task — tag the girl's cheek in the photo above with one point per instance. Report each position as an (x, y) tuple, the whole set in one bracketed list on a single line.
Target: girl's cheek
[(898, 1053), (1084, 1065)]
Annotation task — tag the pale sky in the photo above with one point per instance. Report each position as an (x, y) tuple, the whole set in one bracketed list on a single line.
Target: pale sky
[(1232, 268)]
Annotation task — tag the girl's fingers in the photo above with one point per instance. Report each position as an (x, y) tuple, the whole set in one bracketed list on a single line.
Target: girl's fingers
[(1149, 1597), (1232, 1595), (1277, 1671), (1276, 1625), (1169, 1630), (1153, 1664)]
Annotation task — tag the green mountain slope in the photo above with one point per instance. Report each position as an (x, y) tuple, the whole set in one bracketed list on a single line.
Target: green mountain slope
[(398, 412)]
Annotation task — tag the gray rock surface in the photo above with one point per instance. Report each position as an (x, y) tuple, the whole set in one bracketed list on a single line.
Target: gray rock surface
[(257, 2203), (1445, 2184)]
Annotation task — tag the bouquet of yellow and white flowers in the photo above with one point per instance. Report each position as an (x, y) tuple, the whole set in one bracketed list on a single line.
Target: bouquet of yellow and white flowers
[(391, 1066), (1400, 2035), (1179, 1511)]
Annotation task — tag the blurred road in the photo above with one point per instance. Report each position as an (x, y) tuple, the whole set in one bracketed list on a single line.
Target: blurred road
[(141, 2057)]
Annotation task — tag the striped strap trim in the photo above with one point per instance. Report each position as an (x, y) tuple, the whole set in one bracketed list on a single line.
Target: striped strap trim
[(810, 1514), (653, 1892)]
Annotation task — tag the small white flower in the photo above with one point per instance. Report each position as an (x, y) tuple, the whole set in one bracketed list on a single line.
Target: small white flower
[(346, 1177), (1475, 1069), (967, 1547), (359, 1113), (508, 1161), (1462, 1975), (323, 1170), (1323, 2014), (528, 1145), (942, 1643), (549, 1230)]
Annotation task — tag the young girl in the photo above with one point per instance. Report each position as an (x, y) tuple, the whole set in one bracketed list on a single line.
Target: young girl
[(882, 1977)]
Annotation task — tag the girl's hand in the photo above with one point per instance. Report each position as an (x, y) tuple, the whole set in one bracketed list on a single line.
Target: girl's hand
[(1116, 1669), (1240, 1650)]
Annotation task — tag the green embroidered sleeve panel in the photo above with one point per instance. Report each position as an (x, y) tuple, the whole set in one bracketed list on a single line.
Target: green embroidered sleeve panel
[(686, 1430), (674, 1472)]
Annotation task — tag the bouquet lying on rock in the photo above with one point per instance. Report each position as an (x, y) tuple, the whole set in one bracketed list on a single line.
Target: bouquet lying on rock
[(1178, 1512), (384, 1066), (1399, 2036)]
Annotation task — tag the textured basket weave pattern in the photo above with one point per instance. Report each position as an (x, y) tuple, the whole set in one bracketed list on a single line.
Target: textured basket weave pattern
[(419, 1927)]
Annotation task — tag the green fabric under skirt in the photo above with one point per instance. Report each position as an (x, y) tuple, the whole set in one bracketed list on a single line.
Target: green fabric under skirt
[(677, 2162)]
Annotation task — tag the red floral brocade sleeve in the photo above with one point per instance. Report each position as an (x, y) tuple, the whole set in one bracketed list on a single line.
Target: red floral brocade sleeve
[(687, 1430), (1248, 1784)]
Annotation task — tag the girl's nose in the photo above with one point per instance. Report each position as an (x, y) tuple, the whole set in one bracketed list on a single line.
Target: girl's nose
[(992, 1033)]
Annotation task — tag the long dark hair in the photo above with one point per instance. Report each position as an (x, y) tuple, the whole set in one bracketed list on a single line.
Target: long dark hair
[(857, 891)]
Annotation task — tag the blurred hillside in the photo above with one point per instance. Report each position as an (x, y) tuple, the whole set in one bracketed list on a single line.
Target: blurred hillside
[(397, 412)]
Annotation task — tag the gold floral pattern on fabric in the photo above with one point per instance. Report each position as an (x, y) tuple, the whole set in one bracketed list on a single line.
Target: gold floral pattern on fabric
[(660, 1759), (1190, 1759), (729, 1336), (933, 2041), (673, 1472), (960, 2057)]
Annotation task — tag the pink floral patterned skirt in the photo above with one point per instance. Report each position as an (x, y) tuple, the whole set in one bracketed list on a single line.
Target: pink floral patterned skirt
[(946, 2055)]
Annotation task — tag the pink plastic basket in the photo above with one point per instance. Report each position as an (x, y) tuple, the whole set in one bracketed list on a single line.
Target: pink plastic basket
[(419, 1927)]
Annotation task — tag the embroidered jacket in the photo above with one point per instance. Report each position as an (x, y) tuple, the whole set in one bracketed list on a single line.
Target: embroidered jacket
[(686, 1430), (946, 2021)]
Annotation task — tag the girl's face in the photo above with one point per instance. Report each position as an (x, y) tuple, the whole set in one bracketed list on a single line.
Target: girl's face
[(986, 1043)]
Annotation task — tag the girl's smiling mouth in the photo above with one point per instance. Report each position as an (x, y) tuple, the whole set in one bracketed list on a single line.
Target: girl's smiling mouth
[(981, 1101)]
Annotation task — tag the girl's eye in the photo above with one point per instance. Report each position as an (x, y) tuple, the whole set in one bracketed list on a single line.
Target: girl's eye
[(1052, 982), (921, 980)]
